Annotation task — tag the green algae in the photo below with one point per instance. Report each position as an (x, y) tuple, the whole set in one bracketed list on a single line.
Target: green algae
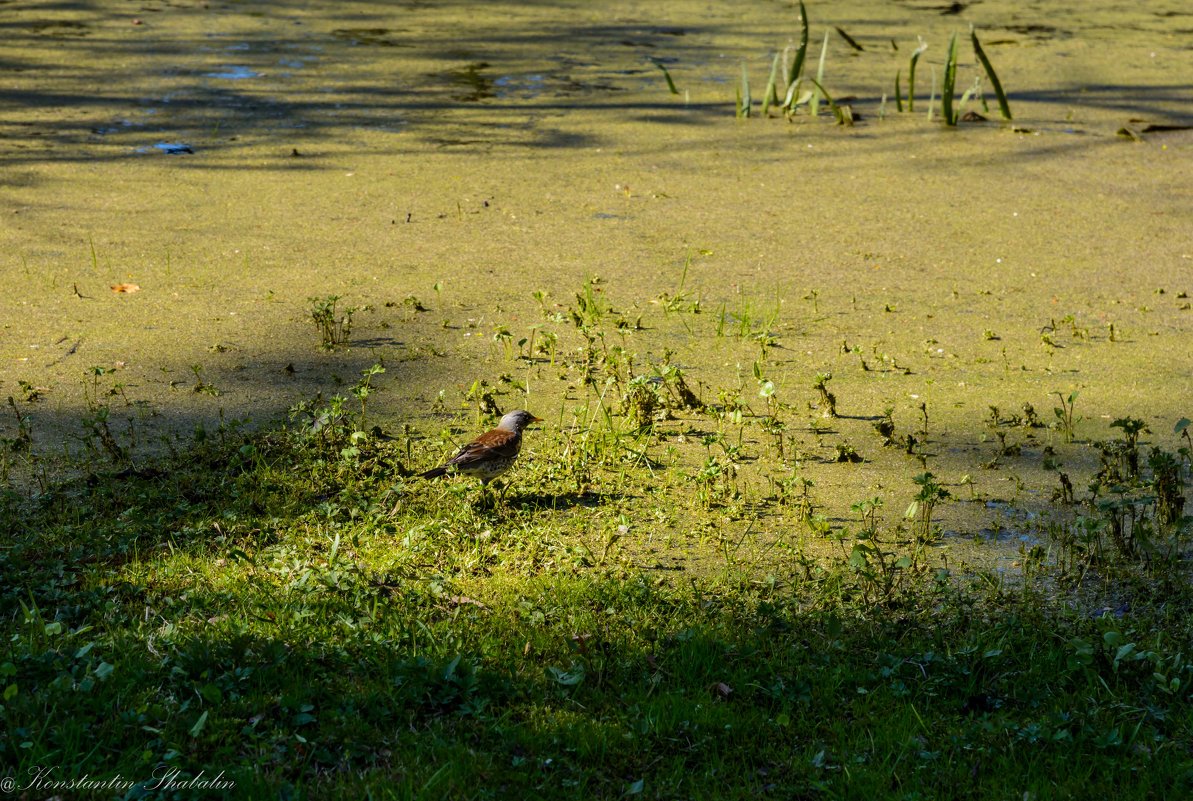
[(347, 167)]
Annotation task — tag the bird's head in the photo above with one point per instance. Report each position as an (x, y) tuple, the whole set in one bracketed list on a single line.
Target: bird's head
[(517, 420)]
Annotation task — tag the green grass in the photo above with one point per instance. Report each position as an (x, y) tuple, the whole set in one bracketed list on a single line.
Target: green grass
[(288, 609), (674, 595)]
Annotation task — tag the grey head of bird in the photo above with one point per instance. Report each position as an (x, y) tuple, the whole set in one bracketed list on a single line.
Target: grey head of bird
[(517, 420)]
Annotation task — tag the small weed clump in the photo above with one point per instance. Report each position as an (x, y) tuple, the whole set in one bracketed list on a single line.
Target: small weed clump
[(334, 325)]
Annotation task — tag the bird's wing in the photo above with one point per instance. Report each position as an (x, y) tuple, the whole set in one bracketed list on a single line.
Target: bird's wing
[(495, 444)]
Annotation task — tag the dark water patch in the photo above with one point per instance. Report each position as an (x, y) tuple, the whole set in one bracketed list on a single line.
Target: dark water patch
[(121, 125), (1165, 128), (524, 86), (59, 28), (373, 37), (1042, 32), (171, 148), (233, 73), (571, 87), (479, 86), (447, 141)]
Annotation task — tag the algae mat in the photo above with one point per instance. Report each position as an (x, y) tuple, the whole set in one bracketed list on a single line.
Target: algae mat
[(231, 161)]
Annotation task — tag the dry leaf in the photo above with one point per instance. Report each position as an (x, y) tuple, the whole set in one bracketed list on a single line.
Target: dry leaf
[(125, 288)]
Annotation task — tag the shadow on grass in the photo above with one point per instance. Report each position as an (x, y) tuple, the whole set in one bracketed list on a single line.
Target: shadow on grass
[(258, 607)]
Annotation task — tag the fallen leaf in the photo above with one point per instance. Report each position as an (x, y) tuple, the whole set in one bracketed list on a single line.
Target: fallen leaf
[(125, 288)]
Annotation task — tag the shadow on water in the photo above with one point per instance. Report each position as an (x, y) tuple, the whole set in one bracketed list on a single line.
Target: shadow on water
[(94, 87)]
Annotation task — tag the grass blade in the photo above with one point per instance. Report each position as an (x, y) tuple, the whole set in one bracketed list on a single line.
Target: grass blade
[(932, 97), (898, 91), (970, 93), (770, 96), (915, 57), (849, 39), (797, 66), (743, 94), (843, 114), (1003, 106), (815, 107), (667, 75), (950, 84), (794, 100)]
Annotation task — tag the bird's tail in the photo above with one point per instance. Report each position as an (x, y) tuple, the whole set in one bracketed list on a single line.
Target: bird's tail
[(436, 473)]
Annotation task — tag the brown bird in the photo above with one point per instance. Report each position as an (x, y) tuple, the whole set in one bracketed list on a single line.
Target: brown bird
[(490, 454)]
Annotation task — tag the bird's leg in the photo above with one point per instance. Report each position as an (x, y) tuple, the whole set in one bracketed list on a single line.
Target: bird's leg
[(486, 499)]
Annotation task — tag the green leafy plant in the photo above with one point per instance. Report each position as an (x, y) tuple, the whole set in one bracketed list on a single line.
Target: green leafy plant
[(334, 325), (828, 401), (1065, 420), (922, 509)]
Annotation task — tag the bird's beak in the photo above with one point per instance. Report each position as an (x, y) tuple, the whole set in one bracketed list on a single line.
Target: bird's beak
[(534, 419)]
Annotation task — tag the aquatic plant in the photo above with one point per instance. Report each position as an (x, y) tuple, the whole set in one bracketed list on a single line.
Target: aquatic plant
[(666, 75), (334, 326), (1065, 421), (922, 509), (915, 58), (814, 106), (1003, 105), (950, 82), (743, 94)]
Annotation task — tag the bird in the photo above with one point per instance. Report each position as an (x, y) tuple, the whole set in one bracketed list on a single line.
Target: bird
[(490, 454)]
